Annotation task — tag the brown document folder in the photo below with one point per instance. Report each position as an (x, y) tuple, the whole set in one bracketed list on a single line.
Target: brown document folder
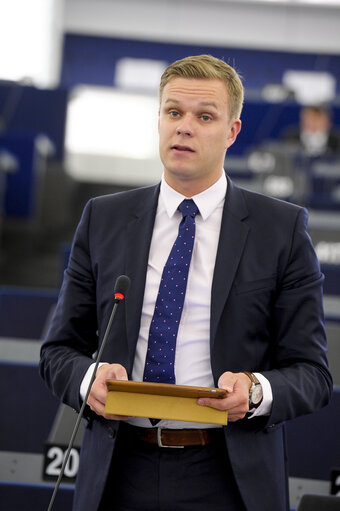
[(163, 401)]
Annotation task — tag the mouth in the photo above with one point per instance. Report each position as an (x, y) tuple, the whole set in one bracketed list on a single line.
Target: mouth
[(182, 148)]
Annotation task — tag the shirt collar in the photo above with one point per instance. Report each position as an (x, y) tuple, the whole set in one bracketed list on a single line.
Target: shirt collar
[(206, 201)]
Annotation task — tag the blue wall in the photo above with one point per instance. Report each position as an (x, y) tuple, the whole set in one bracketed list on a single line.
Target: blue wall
[(91, 60), (30, 111), (27, 111)]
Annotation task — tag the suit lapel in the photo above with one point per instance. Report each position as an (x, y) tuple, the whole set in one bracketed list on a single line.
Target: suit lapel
[(139, 234), (231, 244)]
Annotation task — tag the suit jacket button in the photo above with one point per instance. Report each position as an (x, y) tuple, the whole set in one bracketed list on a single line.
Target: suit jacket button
[(111, 432)]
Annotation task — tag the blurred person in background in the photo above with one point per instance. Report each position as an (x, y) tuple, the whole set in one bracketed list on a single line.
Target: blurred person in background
[(315, 135)]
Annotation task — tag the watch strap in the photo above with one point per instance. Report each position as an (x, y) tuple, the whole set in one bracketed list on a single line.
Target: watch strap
[(252, 377), (254, 383)]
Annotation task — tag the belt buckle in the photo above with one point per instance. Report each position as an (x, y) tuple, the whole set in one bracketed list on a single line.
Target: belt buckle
[(160, 443)]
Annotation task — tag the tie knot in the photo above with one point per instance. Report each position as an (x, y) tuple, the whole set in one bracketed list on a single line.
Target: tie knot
[(188, 207)]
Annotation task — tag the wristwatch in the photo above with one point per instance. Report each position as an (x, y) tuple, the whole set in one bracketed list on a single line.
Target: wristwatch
[(255, 391)]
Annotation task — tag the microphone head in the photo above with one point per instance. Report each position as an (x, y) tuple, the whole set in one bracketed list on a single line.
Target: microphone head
[(121, 287)]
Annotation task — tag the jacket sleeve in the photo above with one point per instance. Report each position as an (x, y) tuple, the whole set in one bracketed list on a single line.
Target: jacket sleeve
[(301, 381), (72, 337)]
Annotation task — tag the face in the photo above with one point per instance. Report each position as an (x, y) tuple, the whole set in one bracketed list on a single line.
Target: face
[(314, 122), (195, 131)]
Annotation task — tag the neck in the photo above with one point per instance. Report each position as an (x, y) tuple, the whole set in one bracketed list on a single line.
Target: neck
[(189, 187)]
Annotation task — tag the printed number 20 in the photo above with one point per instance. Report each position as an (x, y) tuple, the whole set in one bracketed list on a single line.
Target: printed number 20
[(56, 455)]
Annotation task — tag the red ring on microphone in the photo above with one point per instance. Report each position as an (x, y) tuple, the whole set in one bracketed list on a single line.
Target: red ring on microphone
[(119, 296)]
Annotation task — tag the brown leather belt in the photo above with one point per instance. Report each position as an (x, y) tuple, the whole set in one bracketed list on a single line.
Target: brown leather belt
[(174, 438)]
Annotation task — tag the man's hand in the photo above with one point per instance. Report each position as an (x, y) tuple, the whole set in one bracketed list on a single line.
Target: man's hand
[(98, 392), (237, 400)]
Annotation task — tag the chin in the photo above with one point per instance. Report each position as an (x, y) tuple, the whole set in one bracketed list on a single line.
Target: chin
[(179, 173)]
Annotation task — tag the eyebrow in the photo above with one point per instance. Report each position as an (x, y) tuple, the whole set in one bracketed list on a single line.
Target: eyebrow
[(202, 104)]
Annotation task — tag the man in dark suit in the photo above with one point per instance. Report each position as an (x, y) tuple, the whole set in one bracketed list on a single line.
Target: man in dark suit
[(315, 135), (251, 323)]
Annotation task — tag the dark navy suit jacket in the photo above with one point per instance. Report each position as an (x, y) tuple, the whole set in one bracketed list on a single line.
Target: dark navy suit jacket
[(266, 316)]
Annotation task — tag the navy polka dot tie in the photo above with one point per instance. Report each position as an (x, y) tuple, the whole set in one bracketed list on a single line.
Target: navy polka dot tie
[(160, 358)]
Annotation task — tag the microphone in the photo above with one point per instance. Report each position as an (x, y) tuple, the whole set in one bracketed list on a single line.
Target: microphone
[(121, 287)]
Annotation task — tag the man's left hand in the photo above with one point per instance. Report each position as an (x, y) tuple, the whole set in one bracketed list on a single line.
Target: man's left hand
[(237, 400)]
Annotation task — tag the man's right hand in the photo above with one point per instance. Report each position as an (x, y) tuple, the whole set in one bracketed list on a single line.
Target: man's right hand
[(98, 393)]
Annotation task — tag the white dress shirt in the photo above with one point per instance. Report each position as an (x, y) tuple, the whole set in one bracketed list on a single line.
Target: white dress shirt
[(192, 359)]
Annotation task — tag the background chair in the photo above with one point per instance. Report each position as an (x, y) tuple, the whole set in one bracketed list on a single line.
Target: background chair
[(319, 503)]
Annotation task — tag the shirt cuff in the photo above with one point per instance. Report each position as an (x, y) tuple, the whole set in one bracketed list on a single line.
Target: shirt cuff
[(86, 380), (265, 406)]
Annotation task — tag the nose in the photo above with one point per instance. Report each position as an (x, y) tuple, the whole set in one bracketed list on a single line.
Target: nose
[(185, 127)]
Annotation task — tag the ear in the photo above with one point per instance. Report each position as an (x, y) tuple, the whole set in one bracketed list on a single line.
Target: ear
[(233, 130)]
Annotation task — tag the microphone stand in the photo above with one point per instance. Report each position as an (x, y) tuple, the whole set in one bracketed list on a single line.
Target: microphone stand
[(119, 296)]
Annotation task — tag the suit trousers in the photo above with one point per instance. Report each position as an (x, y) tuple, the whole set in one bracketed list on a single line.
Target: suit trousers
[(145, 477)]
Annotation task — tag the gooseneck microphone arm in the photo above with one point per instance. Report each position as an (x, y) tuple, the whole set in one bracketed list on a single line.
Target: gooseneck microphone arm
[(121, 287)]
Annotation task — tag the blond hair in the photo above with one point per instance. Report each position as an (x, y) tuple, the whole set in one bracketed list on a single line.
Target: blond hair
[(208, 67)]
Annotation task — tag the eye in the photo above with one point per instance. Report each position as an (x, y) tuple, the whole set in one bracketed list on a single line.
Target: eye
[(173, 113), (206, 117)]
